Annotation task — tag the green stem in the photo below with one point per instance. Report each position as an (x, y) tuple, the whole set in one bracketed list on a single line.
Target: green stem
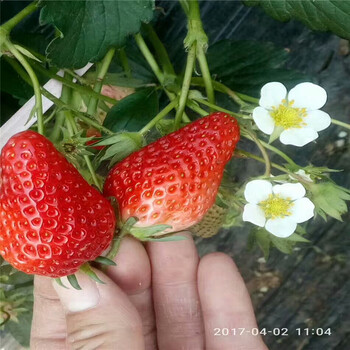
[(38, 107), (217, 108), (158, 117), (185, 7), (73, 129), (247, 98), (61, 115), (103, 68), (280, 153), (221, 88), (149, 57), (80, 115), (11, 23), (125, 62), (191, 57), (338, 122), (196, 108), (160, 49), (147, 54), (116, 245), (203, 64), (82, 89), (197, 34), (246, 154), (262, 150)]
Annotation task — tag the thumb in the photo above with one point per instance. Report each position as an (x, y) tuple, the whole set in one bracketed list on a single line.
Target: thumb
[(99, 316)]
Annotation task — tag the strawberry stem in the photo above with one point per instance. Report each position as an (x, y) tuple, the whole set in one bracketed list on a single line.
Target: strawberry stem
[(340, 123), (125, 63), (73, 129), (160, 50), (197, 34), (11, 23), (220, 88), (81, 88), (191, 57), (158, 117), (38, 107), (102, 71)]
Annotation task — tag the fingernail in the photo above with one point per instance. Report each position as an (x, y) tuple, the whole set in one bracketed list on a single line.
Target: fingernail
[(74, 300)]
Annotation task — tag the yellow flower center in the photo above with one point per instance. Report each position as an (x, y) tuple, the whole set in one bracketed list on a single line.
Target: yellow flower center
[(287, 116), (276, 207)]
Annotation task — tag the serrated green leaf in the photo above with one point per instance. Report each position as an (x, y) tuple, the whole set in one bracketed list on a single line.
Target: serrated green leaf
[(21, 330), (329, 199), (325, 15), (133, 111), (89, 28), (125, 144), (245, 66)]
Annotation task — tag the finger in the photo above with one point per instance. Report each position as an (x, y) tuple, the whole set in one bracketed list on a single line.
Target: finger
[(49, 322), (133, 275), (175, 296), (100, 316), (226, 305)]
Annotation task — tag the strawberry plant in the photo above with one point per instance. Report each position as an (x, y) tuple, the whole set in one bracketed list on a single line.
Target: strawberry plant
[(135, 130)]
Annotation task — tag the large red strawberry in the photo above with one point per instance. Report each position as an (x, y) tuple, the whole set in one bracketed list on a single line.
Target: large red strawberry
[(51, 220), (175, 180)]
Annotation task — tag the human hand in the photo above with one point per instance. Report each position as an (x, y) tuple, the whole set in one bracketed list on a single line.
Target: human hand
[(158, 297)]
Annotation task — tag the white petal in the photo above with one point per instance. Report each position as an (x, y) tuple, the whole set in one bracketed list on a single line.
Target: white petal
[(254, 214), (272, 94), (317, 120), (263, 120), (298, 136), (308, 95), (257, 191), (302, 210), (281, 227), (291, 191)]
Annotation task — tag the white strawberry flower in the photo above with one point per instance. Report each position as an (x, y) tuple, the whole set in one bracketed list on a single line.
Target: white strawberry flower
[(278, 208), (296, 114)]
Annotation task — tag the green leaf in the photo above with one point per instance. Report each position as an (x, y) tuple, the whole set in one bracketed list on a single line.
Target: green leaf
[(21, 330), (325, 15), (263, 240), (72, 279), (105, 261), (165, 126), (133, 111), (329, 199), (282, 244), (124, 144), (89, 28), (245, 66), (297, 238), (146, 232)]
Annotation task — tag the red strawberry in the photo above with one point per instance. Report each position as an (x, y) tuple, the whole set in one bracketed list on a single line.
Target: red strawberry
[(93, 132), (51, 220), (175, 180)]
